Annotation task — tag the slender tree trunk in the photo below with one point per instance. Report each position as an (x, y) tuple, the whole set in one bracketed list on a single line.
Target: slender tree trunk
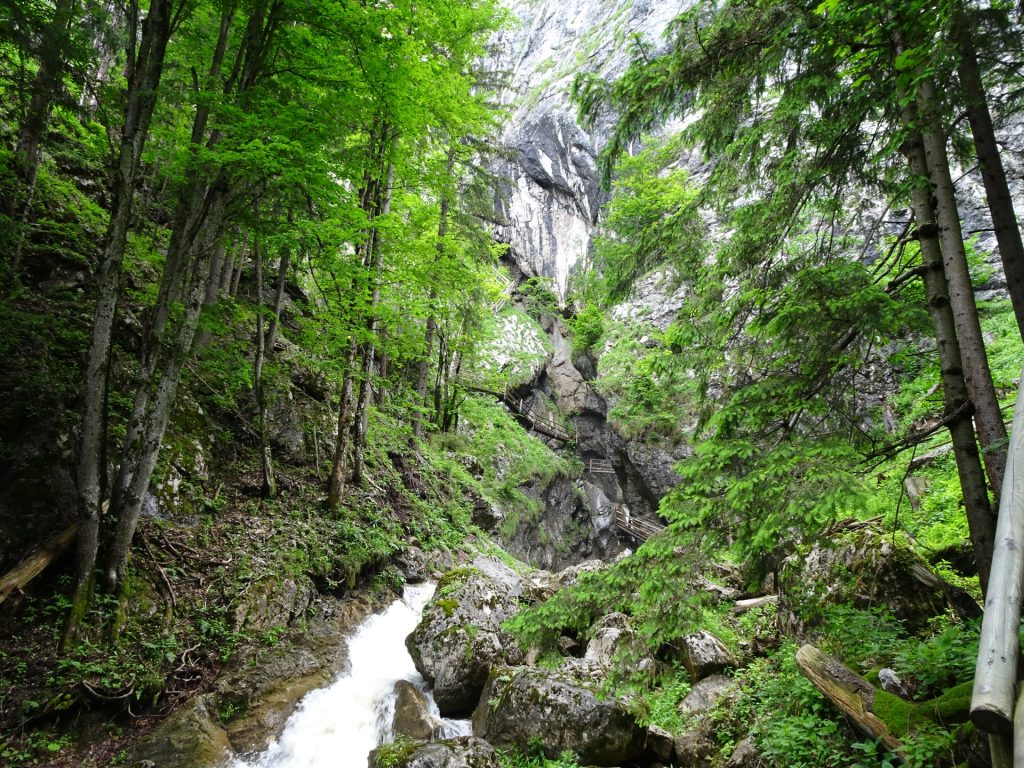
[(339, 467), (428, 340), (29, 150), (987, 415), (376, 257), (144, 80), (269, 488), (1000, 203), (957, 402), (157, 415)]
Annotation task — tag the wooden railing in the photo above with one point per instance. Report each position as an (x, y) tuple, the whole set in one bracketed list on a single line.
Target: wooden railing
[(995, 676), (599, 467), (520, 407), (641, 530)]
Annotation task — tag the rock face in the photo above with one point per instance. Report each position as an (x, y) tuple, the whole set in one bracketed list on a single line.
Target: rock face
[(865, 569), (460, 639), (706, 693), (551, 196), (521, 705), (467, 752), (190, 738)]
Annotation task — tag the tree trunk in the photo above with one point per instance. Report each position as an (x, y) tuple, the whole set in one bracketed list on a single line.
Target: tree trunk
[(339, 467), (987, 415), (269, 487), (957, 402), (29, 150), (849, 692), (376, 258), (145, 456), (990, 163), (144, 80), (428, 340)]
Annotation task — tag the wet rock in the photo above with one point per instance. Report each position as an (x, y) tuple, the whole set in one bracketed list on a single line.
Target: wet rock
[(190, 738), (704, 654), (460, 638), (521, 706), (706, 693), (265, 685), (465, 752), (413, 565), (412, 713), (865, 569)]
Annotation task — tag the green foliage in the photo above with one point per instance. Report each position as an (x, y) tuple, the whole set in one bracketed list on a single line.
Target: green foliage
[(587, 328), (534, 757)]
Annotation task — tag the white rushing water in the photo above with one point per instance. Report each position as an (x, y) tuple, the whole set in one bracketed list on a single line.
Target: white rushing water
[(338, 726)]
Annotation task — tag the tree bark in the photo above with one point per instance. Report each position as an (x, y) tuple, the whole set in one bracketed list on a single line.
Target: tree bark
[(339, 467), (987, 416), (148, 448), (990, 163), (145, 71), (852, 695), (376, 257), (955, 395), (31, 136), (269, 487)]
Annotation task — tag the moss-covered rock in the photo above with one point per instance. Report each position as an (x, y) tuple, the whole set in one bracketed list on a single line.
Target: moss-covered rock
[(190, 738), (865, 569), (524, 706)]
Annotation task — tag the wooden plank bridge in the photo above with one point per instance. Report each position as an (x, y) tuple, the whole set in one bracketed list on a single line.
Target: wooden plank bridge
[(640, 530), (521, 408)]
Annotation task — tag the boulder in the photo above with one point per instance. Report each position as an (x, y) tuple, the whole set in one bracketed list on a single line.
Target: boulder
[(274, 603), (413, 718), (696, 747), (863, 568), (460, 638), (706, 693), (745, 755), (524, 706), (610, 635), (190, 738), (661, 747), (704, 654), (465, 752)]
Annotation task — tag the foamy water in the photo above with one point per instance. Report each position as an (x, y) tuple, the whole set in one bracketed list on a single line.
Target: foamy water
[(338, 726)]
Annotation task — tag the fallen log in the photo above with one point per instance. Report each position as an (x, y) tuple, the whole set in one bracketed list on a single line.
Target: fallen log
[(753, 602), (850, 692), (37, 562)]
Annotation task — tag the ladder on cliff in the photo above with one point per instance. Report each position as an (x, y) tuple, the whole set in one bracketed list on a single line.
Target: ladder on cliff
[(995, 707)]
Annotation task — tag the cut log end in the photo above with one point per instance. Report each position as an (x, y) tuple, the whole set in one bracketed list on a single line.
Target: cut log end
[(991, 719)]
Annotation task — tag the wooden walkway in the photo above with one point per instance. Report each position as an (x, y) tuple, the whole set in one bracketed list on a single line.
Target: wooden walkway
[(640, 530), (599, 467), (520, 407)]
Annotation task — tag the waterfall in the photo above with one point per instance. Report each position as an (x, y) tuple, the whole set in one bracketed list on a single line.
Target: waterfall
[(338, 726)]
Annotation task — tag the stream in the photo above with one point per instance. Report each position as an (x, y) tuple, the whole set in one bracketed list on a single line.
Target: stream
[(338, 726)]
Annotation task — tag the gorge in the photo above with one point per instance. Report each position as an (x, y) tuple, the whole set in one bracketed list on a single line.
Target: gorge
[(671, 341)]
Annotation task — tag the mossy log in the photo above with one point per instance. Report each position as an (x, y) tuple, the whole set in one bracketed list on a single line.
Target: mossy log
[(37, 562), (850, 692)]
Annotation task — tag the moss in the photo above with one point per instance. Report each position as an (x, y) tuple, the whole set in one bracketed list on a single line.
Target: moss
[(896, 713), (953, 706), (448, 605), (388, 755), (452, 580)]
